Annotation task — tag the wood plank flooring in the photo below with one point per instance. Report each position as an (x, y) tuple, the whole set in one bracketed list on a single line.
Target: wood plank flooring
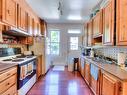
[(61, 83)]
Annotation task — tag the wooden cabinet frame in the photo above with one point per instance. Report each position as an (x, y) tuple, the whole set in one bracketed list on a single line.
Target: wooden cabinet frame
[(8, 12), (108, 23), (121, 22)]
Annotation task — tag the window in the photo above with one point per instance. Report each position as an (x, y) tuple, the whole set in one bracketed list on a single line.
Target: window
[(54, 42), (74, 31), (73, 43)]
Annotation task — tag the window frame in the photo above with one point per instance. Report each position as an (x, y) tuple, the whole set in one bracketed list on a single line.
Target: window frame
[(52, 42), (71, 43)]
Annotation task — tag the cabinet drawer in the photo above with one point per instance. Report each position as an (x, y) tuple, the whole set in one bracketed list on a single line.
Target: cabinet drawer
[(11, 91), (7, 83), (7, 73)]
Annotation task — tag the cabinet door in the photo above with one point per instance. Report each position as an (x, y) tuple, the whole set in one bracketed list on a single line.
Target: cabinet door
[(121, 23), (97, 25), (90, 31), (87, 73), (1, 38), (30, 25), (85, 36), (9, 12), (39, 66), (22, 19), (110, 85), (108, 24)]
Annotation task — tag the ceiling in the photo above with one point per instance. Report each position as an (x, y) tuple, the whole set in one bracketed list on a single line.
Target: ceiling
[(73, 11)]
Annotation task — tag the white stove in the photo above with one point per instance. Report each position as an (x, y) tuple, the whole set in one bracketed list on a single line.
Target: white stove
[(26, 71), (16, 59)]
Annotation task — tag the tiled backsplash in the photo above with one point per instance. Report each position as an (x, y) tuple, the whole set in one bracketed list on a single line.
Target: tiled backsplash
[(23, 47), (111, 51)]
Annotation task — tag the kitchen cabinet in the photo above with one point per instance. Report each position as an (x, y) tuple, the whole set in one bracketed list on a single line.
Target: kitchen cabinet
[(97, 24), (8, 12), (90, 33), (79, 66), (43, 26), (87, 73), (108, 23), (1, 37), (82, 67), (121, 22), (110, 85), (8, 81), (22, 19), (30, 25), (85, 36), (39, 66)]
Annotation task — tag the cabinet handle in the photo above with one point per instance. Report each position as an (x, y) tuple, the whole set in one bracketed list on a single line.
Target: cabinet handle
[(8, 11), (8, 74), (7, 84), (120, 88)]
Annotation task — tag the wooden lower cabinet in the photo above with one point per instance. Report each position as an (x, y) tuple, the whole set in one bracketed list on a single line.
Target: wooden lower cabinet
[(39, 66), (110, 85), (82, 67), (87, 73), (8, 82)]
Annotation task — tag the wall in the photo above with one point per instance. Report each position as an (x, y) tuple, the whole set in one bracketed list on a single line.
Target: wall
[(64, 56), (23, 47), (111, 51)]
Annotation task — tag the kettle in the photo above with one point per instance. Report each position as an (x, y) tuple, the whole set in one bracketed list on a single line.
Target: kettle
[(92, 53)]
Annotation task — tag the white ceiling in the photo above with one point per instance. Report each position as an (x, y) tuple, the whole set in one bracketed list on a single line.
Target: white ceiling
[(48, 10)]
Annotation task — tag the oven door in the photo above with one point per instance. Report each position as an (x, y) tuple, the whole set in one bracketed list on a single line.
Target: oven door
[(25, 72)]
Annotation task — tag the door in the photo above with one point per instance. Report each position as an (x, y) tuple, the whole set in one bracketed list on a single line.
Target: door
[(22, 19), (9, 12), (73, 45), (108, 24), (90, 33), (110, 85), (121, 22), (55, 49), (97, 24)]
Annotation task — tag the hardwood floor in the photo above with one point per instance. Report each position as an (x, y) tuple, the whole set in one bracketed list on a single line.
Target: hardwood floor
[(60, 83)]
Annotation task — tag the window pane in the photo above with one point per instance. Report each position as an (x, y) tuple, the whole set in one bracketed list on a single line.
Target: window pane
[(54, 36), (54, 48), (74, 43), (74, 39)]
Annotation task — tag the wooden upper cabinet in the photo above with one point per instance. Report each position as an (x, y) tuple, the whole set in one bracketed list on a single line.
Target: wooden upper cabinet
[(110, 85), (30, 25), (22, 19), (97, 24), (85, 36), (108, 24), (90, 33), (8, 12), (121, 22), (1, 38)]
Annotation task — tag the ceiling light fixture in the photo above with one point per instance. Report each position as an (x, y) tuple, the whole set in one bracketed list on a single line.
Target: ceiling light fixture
[(60, 8), (74, 17)]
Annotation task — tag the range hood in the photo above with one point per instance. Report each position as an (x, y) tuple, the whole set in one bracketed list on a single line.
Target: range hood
[(14, 32)]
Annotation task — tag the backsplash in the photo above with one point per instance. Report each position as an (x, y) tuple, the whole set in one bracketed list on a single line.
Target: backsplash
[(111, 51), (23, 47)]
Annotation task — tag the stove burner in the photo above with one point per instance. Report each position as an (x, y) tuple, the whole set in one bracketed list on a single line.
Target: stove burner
[(7, 60), (17, 60), (24, 56)]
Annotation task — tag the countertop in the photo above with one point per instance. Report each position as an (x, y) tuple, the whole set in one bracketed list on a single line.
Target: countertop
[(6, 66), (110, 68)]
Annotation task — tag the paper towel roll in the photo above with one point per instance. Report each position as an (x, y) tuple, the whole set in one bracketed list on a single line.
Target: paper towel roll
[(121, 58)]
